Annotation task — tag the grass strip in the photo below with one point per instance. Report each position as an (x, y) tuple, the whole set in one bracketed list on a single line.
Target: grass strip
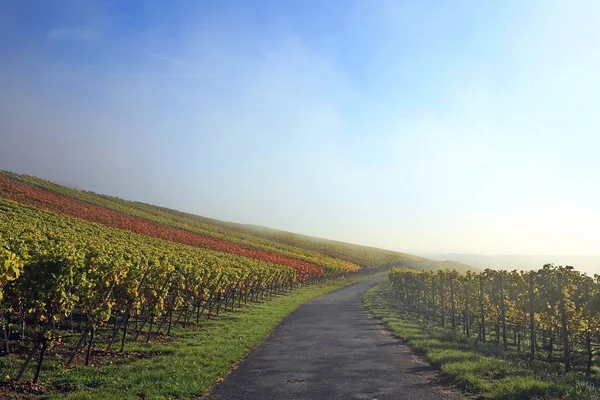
[(187, 366), (483, 370)]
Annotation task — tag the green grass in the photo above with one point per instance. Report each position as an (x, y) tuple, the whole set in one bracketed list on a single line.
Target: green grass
[(189, 365), (482, 370)]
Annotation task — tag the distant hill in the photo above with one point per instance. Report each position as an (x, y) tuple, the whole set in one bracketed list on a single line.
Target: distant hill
[(588, 264), (249, 240)]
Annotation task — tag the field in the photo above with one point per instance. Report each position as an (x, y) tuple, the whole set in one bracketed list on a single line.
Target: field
[(90, 281), (500, 334)]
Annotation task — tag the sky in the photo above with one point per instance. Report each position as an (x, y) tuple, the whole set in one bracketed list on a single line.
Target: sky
[(421, 126)]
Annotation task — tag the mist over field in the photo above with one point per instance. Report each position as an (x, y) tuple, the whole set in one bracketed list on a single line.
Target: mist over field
[(468, 127), (588, 264)]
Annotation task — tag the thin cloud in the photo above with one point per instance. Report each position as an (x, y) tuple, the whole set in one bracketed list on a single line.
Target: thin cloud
[(74, 34), (169, 60)]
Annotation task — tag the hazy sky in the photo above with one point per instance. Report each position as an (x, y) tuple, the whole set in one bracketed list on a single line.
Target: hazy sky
[(424, 126)]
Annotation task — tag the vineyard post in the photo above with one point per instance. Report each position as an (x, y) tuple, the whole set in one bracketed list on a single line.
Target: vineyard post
[(114, 317), (249, 292), (564, 327), (126, 317), (164, 318), (588, 336), (146, 312), (36, 376), (88, 354), (406, 291), (433, 310), (425, 297), (551, 346), (232, 297), (258, 290), (502, 311), (187, 316), (467, 327), (217, 300), (22, 336), (162, 290), (124, 337), (280, 279), (269, 288), (117, 330), (274, 285), (452, 305), (409, 294), (254, 290), (5, 328), (590, 353), (418, 305), (77, 347), (210, 296), (531, 314), (170, 322), (229, 295), (248, 288), (105, 298), (196, 301), (242, 291), (239, 295), (184, 309), (482, 310), (31, 354), (442, 305)]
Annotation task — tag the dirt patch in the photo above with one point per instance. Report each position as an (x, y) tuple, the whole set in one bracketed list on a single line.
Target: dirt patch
[(20, 390)]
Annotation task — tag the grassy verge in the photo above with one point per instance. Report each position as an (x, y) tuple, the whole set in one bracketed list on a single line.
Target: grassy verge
[(188, 365), (483, 370)]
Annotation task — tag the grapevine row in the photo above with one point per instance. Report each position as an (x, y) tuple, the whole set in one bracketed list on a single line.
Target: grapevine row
[(552, 314), (66, 280)]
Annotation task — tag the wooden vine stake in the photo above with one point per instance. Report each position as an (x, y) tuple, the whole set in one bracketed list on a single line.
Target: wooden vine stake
[(502, 311), (481, 308), (452, 304), (564, 327), (532, 315)]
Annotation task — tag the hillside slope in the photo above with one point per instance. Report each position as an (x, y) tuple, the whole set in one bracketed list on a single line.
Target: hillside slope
[(247, 240)]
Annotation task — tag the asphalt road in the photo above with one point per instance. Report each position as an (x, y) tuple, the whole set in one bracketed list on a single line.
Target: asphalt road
[(331, 348)]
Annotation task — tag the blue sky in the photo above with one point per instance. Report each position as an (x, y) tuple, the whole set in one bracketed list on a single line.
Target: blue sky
[(424, 126)]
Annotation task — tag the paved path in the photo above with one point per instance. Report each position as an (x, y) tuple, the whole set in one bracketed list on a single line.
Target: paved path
[(331, 348)]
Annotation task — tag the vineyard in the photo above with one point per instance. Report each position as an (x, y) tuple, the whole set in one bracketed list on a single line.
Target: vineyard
[(550, 315), (151, 220), (85, 275), (62, 204), (72, 286)]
